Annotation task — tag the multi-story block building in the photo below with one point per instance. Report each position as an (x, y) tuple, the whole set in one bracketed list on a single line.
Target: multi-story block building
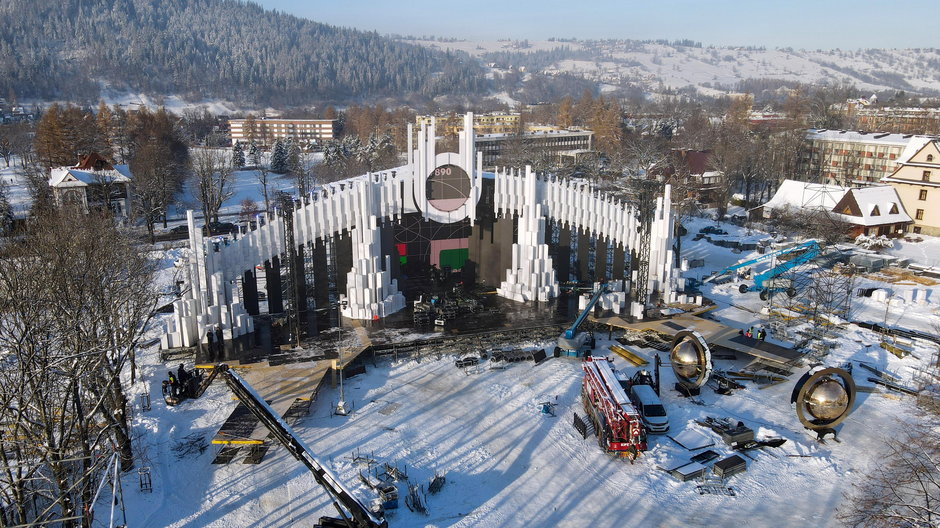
[(493, 146), (903, 120), (917, 181), (263, 132), (853, 158), (494, 123)]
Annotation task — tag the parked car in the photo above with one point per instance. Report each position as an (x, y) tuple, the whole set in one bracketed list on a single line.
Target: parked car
[(652, 413), (180, 230), (220, 228)]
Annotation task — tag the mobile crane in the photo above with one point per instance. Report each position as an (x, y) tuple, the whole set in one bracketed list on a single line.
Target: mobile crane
[(573, 343), (353, 513), (616, 421), (768, 282)]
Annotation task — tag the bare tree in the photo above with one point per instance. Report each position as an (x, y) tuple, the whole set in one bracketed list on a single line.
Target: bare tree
[(154, 184), (212, 181), (263, 174), (7, 143), (248, 210), (904, 488), (77, 297)]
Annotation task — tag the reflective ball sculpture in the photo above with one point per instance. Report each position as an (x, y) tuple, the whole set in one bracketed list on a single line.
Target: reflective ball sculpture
[(691, 359), (824, 397)]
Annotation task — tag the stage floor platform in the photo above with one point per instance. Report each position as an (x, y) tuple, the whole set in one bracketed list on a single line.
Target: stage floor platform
[(716, 335)]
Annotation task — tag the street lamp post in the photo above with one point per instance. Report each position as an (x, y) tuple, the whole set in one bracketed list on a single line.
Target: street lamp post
[(341, 408)]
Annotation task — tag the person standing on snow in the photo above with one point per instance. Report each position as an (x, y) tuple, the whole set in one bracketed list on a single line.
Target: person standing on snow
[(210, 337), (220, 341)]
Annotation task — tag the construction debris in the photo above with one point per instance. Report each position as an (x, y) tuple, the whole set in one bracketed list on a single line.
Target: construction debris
[(730, 466), (893, 386), (436, 483), (729, 431), (712, 485), (415, 500)]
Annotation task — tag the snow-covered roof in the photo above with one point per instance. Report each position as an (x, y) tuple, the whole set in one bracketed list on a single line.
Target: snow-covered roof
[(913, 147), (854, 136), (885, 199), (877, 205), (72, 177), (540, 133), (794, 194)]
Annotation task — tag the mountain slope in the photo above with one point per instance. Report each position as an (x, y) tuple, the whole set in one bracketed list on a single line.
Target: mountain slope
[(649, 66), (69, 49)]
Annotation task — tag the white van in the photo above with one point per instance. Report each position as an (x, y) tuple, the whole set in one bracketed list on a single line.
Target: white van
[(651, 410)]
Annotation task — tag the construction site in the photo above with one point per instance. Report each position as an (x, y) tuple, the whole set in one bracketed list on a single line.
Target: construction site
[(537, 366)]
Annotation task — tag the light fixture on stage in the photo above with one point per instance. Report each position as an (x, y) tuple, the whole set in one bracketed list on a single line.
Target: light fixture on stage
[(824, 397), (691, 361)]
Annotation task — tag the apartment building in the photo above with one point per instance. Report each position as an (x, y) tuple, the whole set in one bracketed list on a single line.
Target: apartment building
[(263, 131), (493, 123), (558, 141), (855, 158)]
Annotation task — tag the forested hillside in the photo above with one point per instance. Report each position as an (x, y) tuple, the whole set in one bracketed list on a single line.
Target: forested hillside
[(70, 49)]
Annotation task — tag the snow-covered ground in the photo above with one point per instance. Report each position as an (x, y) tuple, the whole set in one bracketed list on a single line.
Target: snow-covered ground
[(506, 463)]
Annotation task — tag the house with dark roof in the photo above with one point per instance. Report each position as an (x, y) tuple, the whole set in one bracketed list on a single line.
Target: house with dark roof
[(94, 183)]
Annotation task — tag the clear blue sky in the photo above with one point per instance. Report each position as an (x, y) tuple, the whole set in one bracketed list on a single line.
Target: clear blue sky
[(771, 23)]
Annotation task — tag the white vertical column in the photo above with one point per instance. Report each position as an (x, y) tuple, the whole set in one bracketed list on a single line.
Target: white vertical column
[(532, 276)]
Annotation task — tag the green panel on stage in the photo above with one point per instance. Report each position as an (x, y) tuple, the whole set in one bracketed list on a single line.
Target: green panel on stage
[(454, 258)]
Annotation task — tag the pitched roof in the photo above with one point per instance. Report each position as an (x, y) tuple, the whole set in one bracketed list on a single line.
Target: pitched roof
[(72, 177), (866, 206), (881, 199), (798, 195)]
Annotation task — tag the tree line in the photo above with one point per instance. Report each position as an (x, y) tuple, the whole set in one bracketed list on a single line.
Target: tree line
[(199, 49)]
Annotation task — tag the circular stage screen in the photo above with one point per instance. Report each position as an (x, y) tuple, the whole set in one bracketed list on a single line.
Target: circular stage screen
[(448, 187)]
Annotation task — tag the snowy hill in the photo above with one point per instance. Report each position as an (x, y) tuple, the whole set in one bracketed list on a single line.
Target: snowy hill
[(643, 64)]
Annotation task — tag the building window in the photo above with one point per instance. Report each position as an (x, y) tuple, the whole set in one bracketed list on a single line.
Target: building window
[(926, 176), (923, 194), (875, 211), (929, 157), (916, 230), (919, 215)]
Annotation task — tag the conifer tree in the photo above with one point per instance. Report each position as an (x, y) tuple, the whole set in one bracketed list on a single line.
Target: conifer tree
[(238, 155), (254, 154), (279, 157)]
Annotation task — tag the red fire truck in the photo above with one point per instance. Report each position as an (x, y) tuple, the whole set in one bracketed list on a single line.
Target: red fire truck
[(616, 422)]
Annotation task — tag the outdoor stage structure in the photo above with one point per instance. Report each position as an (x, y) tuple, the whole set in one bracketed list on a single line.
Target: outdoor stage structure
[(361, 245)]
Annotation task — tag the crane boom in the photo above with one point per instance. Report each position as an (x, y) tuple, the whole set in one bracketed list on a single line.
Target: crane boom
[(812, 251), (571, 331), (354, 513), (763, 258)]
